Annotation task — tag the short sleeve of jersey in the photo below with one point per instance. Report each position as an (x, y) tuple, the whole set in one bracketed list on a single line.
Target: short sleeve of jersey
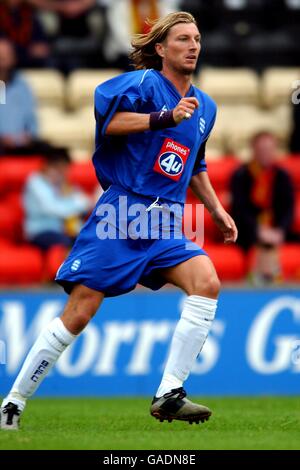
[(123, 93), (200, 163)]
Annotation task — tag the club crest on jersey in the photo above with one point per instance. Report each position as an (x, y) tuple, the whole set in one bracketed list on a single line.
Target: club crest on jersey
[(171, 159)]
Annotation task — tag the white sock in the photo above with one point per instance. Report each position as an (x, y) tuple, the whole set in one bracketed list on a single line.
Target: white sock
[(48, 347), (188, 340)]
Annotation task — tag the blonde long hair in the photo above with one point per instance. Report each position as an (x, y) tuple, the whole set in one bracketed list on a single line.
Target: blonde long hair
[(144, 55)]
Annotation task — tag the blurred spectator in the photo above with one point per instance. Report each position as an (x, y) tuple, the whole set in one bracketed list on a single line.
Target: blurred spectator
[(266, 31), (53, 207), (70, 8), (262, 206), (134, 14), (77, 34), (18, 121), (19, 23)]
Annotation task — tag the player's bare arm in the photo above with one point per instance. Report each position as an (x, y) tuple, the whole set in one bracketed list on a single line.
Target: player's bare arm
[(201, 186), (124, 123)]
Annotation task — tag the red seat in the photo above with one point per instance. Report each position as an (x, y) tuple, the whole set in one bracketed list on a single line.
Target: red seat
[(20, 265), (193, 224), (211, 231), (290, 261), (14, 171), (8, 222), (225, 199), (54, 258), (220, 172), (292, 166), (83, 175), (229, 261), (197, 226), (11, 217), (223, 195), (4, 243)]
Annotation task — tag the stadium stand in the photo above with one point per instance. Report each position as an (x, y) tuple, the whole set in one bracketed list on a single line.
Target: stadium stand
[(247, 103), (20, 265), (277, 85), (252, 85), (63, 129), (27, 267), (292, 165), (229, 261), (14, 171), (82, 84), (238, 86), (53, 259), (48, 87), (289, 260)]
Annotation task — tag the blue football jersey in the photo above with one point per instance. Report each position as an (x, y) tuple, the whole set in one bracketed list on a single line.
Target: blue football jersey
[(151, 163)]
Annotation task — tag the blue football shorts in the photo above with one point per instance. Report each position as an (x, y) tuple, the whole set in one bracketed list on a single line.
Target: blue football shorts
[(118, 247)]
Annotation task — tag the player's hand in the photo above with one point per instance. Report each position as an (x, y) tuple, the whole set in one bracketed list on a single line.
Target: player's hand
[(226, 224), (185, 109)]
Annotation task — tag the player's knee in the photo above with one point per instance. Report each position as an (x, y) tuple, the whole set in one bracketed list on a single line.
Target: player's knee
[(209, 287), (87, 300), (75, 318), (82, 306), (213, 287), (86, 310), (87, 307)]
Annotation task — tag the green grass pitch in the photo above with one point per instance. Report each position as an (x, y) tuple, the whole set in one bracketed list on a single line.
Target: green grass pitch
[(125, 423)]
